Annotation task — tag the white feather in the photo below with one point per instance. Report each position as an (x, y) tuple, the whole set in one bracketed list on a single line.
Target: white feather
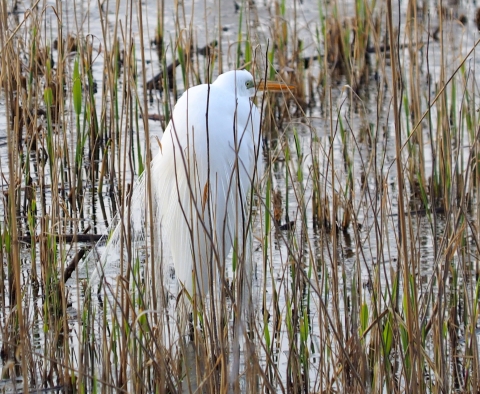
[(202, 175)]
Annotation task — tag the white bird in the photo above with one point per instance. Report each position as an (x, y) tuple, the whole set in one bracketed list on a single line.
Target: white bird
[(210, 154), (209, 158)]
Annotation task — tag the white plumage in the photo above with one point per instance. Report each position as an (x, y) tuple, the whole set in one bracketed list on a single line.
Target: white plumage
[(202, 175)]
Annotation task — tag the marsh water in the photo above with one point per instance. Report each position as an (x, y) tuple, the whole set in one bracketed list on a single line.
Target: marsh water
[(346, 132)]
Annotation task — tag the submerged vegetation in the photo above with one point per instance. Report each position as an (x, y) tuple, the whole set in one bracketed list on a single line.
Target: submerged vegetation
[(365, 225)]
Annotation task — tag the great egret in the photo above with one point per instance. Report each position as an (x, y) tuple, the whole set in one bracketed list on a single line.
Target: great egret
[(209, 155)]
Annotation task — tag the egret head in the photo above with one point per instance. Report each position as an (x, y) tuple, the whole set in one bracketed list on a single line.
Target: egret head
[(242, 82)]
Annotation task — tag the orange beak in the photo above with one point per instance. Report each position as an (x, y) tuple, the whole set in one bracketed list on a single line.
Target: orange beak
[(274, 86)]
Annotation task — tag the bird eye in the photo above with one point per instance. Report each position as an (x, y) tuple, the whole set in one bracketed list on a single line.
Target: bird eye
[(249, 84)]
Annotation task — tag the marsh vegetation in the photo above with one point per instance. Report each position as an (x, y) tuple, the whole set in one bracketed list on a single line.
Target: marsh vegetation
[(365, 225)]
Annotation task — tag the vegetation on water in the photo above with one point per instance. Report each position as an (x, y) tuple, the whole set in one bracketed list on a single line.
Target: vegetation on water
[(365, 224)]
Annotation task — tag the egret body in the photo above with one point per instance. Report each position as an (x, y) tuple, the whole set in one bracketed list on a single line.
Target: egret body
[(209, 155)]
